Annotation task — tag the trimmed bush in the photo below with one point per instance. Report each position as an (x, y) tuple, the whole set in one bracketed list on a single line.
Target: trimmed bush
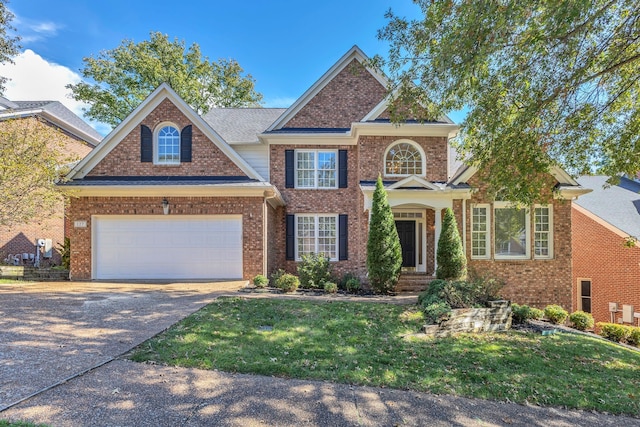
[(260, 281), (353, 285), (288, 283), (620, 333), (436, 312), (535, 313), (330, 287), (555, 314), (314, 270), (581, 320), (520, 313), (384, 255), (276, 275), (452, 262)]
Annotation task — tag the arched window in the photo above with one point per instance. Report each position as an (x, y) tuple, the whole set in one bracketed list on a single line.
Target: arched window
[(404, 158), (167, 144)]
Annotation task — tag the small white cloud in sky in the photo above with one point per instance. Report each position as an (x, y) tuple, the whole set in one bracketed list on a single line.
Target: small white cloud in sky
[(31, 30), (32, 78)]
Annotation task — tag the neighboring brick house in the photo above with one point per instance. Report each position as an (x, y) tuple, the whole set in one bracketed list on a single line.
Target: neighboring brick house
[(296, 181), (605, 270), (79, 139)]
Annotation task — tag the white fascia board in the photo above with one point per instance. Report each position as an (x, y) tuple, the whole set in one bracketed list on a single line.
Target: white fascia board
[(413, 181), (163, 92), (448, 130), (570, 193), (354, 53), (437, 199), (201, 190), (561, 176), (70, 128), (309, 139)]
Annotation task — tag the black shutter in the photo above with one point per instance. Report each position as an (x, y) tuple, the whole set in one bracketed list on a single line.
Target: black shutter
[(343, 237), (342, 169), (185, 144), (289, 169), (290, 240), (146, 144)]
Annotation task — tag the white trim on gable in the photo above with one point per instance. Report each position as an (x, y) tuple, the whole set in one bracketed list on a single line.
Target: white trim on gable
[(161, 93), (384, 104), (413, 181), (354, 53), (560, 175)]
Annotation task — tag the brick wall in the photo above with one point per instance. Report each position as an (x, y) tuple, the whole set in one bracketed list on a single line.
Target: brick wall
[(372, 149), (614, 270), (350, 96), (332, 201), (249, 207), (21, 238), (535, 282), (208, 159)]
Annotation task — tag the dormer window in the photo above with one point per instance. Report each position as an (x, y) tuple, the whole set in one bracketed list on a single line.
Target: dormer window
[(167, 145), (404, 158)]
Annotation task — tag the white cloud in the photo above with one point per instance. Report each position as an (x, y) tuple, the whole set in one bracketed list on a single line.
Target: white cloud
[(31, 30), (35, 79)]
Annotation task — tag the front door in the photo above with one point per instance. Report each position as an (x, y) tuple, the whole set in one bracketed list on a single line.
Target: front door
[(407, 235)]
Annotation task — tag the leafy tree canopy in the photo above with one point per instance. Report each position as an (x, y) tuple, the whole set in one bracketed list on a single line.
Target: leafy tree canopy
[(33, 158), (123, 77), (546, 83), (8, 45)]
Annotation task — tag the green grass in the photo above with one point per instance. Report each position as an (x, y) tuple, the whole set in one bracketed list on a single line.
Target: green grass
[(373, 344), (6, 423)]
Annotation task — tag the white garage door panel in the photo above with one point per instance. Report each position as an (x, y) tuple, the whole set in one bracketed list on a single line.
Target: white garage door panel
[(168, 247)]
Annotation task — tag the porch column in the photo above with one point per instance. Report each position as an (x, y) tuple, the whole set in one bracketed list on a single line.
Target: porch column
[(438, 224)]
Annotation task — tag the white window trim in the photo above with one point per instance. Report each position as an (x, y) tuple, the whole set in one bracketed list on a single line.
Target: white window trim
[(406, 141), (527, 225), (550, 207), (488, 233), (156, 150), (315, 169), (316, 216)]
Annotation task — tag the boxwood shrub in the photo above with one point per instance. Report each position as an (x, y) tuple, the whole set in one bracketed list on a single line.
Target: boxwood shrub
[(555, 314), (581, 320)]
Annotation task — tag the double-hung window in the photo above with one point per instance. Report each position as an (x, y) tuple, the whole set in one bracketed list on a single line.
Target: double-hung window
[(511, 231), (317, 234), (542, 237), (168, 145), (480, 225), (316, 169)]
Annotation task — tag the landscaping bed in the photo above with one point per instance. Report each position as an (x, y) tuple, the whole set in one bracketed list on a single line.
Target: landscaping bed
[(376, 344)]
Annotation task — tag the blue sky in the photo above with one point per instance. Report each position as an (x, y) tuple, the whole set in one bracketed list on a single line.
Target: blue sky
[(285, 45)]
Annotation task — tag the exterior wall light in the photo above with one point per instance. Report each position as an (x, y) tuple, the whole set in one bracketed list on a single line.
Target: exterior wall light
[(165, 206)]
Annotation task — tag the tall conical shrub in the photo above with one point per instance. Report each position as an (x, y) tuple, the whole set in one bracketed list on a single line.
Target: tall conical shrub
[(384, 255), (452, 262)]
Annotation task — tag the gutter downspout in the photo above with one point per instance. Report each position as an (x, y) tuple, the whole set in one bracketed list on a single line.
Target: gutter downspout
[(268, 194)]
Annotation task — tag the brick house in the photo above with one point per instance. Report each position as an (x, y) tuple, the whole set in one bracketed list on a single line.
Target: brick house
[(78, 138), (247, 191), (604, 269)]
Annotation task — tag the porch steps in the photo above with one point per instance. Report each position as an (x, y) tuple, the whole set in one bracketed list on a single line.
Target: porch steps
[(413, 282)]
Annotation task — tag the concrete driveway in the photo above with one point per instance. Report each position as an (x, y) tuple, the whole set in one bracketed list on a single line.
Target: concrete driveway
[(52, 331)]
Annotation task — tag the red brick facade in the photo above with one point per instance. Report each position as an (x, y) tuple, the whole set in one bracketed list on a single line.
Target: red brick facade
[(251, 209), (348, 98), (599, 255), (124, 159), (21, 238)]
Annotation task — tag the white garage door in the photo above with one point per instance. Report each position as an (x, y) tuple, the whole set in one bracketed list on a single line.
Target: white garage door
[(167, 247)]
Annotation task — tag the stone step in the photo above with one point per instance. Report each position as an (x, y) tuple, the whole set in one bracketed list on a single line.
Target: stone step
[(413, 282)]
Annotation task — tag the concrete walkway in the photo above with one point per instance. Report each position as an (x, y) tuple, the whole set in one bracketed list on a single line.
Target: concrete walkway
[(53, 332)]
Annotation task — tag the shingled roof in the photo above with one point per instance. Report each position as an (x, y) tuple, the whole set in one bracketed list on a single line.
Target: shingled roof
[(238, 125), (54, 111)]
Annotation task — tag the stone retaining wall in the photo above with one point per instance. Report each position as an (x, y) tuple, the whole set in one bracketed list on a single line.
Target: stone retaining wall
[(32, 273), (495, 318)]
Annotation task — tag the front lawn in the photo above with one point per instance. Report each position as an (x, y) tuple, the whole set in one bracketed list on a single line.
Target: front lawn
[(372, 344)]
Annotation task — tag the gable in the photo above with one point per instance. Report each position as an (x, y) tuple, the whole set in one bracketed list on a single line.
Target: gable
[(120, 153), (207, 158), (347, 98)]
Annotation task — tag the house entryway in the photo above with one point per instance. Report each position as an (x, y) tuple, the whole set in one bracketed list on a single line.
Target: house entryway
[(411, 227), (407, 235)]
